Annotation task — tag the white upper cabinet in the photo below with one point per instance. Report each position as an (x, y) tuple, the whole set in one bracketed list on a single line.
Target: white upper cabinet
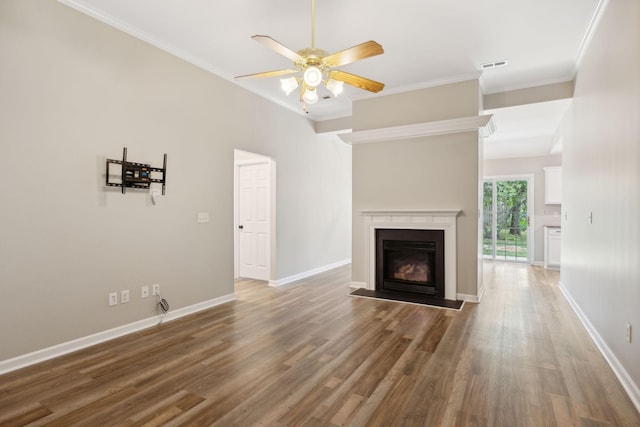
[(553, 185)]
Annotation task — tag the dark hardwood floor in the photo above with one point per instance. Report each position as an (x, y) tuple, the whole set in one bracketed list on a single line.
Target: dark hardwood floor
[(309, 355)]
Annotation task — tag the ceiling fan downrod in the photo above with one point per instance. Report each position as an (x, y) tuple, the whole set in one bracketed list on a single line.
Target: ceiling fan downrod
[(313, 24)]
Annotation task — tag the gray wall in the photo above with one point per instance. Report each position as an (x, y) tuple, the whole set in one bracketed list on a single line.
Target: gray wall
[(550, 92), (438, 172), (74, 92), (542, 214), (314, 200), (601, 174)]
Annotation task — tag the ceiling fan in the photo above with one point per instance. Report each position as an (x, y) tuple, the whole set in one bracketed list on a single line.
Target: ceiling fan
[(318, 66)]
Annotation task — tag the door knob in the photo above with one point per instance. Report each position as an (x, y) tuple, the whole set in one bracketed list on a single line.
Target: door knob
[(241, 227)]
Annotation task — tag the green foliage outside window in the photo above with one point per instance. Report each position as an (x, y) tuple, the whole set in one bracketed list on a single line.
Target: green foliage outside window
[(511, 219)]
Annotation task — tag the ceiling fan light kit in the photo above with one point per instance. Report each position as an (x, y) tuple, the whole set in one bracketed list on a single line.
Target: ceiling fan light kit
[(318, 66), (310, 96), (289, 84), (335, 86), (312, 76)]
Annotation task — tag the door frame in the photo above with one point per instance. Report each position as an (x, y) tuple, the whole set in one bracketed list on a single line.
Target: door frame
[(530, 213), (271, 165)]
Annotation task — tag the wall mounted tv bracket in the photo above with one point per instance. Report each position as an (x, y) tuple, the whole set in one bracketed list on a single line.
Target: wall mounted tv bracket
[(137, 175)]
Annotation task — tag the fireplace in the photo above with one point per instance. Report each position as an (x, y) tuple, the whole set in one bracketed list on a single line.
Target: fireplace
[(410, 260), (413, 219)]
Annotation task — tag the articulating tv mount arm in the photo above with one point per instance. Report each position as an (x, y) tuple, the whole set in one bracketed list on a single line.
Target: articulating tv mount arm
[(137, 175)]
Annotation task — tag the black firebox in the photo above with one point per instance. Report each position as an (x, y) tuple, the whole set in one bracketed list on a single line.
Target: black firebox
[(410, 260)]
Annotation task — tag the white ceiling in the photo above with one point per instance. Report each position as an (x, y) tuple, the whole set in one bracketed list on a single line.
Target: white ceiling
[(426, 42), (525, 131)]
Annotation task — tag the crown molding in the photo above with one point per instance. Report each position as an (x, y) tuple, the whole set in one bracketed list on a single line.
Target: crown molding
[(484, 124), (591, 29)]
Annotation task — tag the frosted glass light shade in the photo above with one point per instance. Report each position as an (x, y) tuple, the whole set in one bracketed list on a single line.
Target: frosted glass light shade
[(310, 96), (288, 85), (335, 87), (313, 76)]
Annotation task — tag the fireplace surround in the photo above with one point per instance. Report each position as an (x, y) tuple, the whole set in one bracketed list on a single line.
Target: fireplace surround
[(428, 219)]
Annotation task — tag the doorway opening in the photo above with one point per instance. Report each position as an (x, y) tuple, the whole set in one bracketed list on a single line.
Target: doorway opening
[(254, 216), (507, 232)]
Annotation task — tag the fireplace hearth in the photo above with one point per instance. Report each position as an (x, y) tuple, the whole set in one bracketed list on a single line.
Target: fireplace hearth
[(411, 261)]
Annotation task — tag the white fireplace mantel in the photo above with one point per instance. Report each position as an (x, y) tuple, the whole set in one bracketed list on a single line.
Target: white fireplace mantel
[(414, 219)]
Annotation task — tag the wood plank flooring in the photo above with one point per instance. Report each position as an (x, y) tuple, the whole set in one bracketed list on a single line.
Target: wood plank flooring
[(309, 355)]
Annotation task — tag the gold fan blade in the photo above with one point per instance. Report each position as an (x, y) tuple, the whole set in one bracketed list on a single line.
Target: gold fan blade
[(266, 74), (279, 48), (353, 54), (357, 81)]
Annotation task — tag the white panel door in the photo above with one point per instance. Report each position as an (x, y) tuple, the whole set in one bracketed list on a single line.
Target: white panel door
[(253, 221)]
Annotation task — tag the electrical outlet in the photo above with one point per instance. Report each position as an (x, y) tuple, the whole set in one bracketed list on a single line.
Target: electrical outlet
[(629, 332), (144, 292), (113, 299), (156, 289), (124, 296)]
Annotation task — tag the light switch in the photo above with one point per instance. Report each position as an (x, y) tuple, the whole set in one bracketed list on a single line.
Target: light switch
[(203, 217)]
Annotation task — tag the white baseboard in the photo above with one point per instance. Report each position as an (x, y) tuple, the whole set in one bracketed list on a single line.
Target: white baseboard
[(538, 263), (358, 285), (304, 275), (97, 338), (469, 298), (625, 379), (480, 295)]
